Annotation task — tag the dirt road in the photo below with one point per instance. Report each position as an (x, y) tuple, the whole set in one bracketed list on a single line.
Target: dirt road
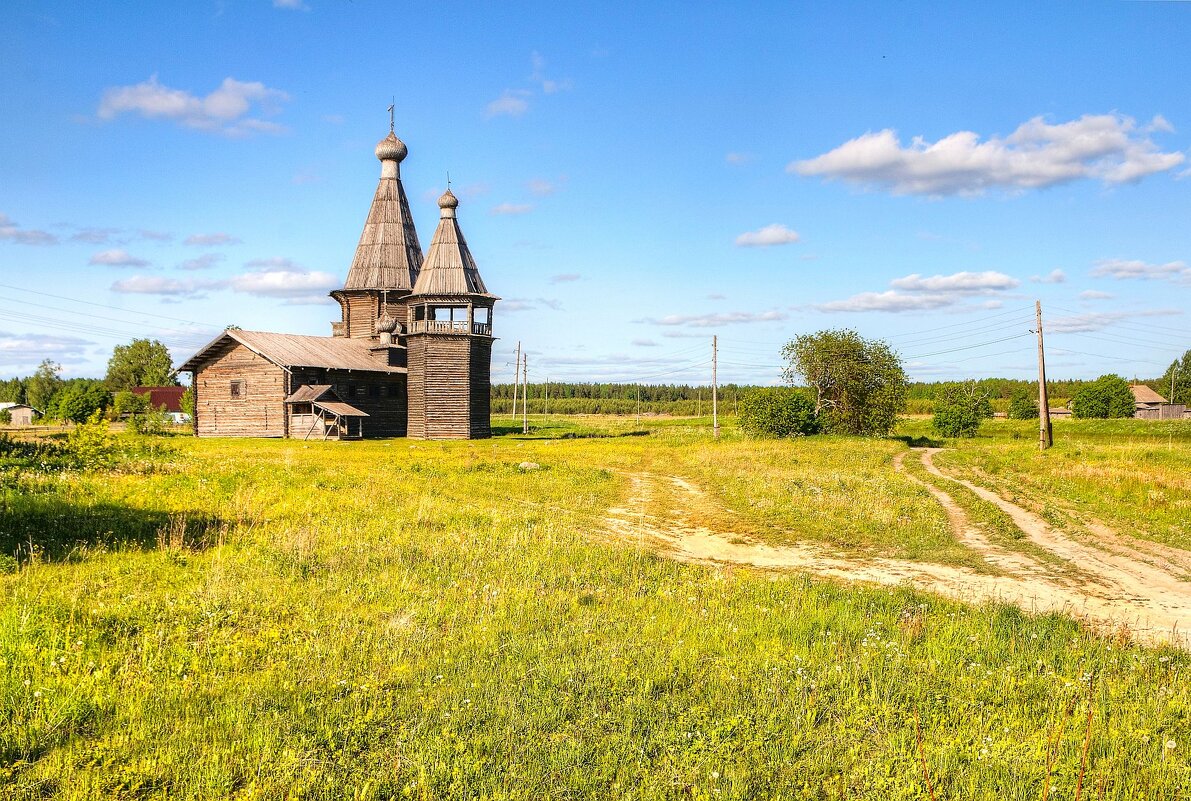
[(1113, 581)]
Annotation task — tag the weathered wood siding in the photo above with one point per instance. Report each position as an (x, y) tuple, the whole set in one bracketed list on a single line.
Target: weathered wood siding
[(259, 413), (361, 308), (439, 386), (381, 395), (481, 387)]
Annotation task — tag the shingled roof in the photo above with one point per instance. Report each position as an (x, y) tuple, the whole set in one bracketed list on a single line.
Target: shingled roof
[(449, 268), (1143, 394), (296, 350), (388, 255)]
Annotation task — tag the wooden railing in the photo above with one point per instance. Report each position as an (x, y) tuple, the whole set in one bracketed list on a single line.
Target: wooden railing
[(448, 327)]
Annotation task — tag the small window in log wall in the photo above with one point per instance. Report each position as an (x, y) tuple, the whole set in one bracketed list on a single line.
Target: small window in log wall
[(239, 389)]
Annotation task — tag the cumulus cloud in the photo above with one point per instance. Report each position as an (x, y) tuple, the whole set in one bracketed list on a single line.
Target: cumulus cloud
[(1094, 294), (156, 236), (225, 110), (1053, 277), (542, 187), (1121, 269), (511, 103), (530, 304), (210, 240), (203, 262), (12, 232), (775, 234), (117, 257), (1111, 148), (94, 236), (512, 208), (1097, 321), (645, 343), (291, 5), (915, 292), (291, 284), (715, 319), (564, 278), (163, 287), (21, 353)]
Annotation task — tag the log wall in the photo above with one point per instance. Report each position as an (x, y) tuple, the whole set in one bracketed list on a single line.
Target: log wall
[(259, 413), (439, 388)]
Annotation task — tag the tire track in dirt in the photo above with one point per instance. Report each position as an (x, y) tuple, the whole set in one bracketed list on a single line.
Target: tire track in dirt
[(1028, 584)]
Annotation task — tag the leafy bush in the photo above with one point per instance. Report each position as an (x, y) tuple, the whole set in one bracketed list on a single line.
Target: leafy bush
[(5, 417), (1023, 406), (1107, 396), (778, 412), (959, 410), (153, 421), (91, 445), (78, 402)]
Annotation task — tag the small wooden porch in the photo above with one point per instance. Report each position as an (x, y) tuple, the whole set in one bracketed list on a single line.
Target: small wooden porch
[(316, 412)]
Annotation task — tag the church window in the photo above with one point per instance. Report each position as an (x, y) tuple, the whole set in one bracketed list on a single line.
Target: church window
[(239, 389)]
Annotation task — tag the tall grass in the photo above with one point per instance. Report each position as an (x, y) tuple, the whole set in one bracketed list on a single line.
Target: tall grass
[(420, 620)]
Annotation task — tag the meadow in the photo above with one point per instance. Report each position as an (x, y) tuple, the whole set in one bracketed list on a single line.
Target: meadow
[(392, 619)]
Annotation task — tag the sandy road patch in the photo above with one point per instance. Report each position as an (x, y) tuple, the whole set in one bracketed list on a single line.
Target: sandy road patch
[(661, 513)]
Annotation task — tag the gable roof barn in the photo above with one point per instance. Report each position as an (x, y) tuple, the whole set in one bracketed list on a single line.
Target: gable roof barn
[(297, 350), (1144, 394)]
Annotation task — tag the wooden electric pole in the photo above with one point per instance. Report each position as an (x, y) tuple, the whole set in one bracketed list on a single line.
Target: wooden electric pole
[(1045, 433), (715, 395), (516, 379), (524, 393), (638, 404)]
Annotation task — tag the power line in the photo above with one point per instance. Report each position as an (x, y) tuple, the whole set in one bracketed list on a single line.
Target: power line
[(107, 306)]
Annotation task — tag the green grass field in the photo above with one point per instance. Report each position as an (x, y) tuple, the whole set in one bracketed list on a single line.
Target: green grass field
[(396, 619)]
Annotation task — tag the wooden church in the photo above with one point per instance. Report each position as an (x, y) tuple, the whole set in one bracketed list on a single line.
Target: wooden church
[(410, 356)]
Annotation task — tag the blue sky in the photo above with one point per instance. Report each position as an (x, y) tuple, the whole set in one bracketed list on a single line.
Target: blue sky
[(632, 180)]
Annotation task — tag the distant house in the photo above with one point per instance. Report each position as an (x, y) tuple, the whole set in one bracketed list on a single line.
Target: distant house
[(169, 397), (1149, 405), (20, 413)]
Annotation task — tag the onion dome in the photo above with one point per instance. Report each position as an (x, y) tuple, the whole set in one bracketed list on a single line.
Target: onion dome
[(391, 148), (386, 324), (448, 200)]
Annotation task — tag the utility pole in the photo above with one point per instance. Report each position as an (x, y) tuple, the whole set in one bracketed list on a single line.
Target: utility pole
[(546, 411), (638, 404), (1045, 433), (715, 395), (524, 393), (516, 378), (699, 408)]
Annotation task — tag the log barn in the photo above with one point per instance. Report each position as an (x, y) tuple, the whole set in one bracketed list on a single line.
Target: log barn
[(410, 356)]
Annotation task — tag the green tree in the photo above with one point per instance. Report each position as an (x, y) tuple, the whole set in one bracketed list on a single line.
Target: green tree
[(859, 386), (960, 409), (1107, 396), (778, 412), (43, 385), (1178, 374), (141, 363), (1023, 406), (80, 402), (187, 401)]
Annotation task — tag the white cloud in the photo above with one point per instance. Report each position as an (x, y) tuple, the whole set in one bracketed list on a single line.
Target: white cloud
[(541, 187), (294, 286), (11, 232), (1108, 147), (645, 343), (210, 240), (530, 304), (272, 263), (717, 296), (156, 236), (716, 319), (203, 262), (738, 158), (917, 293), (117, 257), (1094, 294), (965, 283), (291, 5), (1177, 271), (1096, 321), (224, 110), (564, 278), (775, 234), (95, 236), (511, 103), (162, 286), (1053, 277), (549, 86), (21, 353), (512, 208)]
